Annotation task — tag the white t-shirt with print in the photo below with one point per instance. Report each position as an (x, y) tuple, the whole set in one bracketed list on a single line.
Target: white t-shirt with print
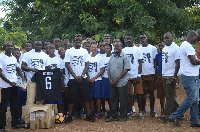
[(38, 60), (169, 55), (106, 60), (148, 56), (77, 59), (95, 64), (56, 62), (102, 55), (8, 66), (56, 53), (186, 67), (134, 53)]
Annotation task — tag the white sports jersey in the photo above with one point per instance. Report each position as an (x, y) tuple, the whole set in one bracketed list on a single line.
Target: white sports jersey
[(149, 54), (77, 59), (169, 55), (37, 60), (134, 53), (8, 66), (95, 64)]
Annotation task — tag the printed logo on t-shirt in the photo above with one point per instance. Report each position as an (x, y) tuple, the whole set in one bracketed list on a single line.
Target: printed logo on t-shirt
[(131, 57), (37, 63), (53, 66), (92, 66), (10, 68), (165, 57), (146, 57), (76, 60), (105, 65)]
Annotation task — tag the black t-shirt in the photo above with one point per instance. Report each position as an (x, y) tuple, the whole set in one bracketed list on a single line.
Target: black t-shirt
[(49, 84)]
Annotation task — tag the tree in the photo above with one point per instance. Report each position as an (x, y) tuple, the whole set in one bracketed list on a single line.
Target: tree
[(44, 19), (16, 35)]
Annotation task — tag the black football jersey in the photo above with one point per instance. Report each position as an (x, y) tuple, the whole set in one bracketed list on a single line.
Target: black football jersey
[(49, 84)]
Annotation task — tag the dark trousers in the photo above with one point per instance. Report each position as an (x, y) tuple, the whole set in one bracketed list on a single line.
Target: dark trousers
[(169, 89), (118, 94), (8, 94)]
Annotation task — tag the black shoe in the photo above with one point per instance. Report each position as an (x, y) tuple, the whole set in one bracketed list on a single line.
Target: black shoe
[(16, 127), (124, 119), (20, 121), (90, 118), (175, 122), (195, 125), (27, 126), (69, 119), (2, 130), (164, 120), (111, 119)]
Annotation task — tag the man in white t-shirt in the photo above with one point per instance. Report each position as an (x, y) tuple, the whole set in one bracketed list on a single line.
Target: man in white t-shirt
[(9, 68), (148, 72), (135, 55), (56, 42), (76, 60), (189, 68), (170, 68), (33, 61)]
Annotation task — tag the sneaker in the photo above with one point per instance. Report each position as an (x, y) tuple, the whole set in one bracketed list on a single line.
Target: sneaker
[(18, 126), (118, 113), (176, 123), (90, 118), (129, 115), (164, 120), (133, 109), (153, 114), (141, 115), (111, 119), (82, 115), (195, 125), (124, 119), (2, 130), (27, 126), (162, 114), (69, 119), (97, 116), (20, 121)]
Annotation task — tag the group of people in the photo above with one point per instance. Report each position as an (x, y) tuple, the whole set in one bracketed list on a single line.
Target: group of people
[(96, 73)]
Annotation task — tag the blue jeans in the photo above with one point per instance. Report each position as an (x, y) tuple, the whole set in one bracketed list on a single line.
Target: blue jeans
[(190, 84)]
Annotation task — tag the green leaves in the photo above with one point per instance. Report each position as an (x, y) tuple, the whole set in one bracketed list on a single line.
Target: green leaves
[(45, 19)]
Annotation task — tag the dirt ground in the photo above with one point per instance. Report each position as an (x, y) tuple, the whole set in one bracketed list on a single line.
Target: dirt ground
[(149, 124)]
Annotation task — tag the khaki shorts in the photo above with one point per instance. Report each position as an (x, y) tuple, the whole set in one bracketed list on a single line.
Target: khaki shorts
[(148, 83), (159, 87), (137, 86)]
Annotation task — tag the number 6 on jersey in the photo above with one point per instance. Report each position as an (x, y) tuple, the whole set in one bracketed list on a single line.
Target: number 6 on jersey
[(48, 82)]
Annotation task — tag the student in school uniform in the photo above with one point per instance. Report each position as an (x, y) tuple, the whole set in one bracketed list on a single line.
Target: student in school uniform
[(96, 69)]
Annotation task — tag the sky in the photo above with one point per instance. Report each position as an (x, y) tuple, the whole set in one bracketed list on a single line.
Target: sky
[(2, 14)]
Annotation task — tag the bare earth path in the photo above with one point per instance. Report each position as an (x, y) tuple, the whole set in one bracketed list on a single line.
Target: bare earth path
[(149, 124)]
